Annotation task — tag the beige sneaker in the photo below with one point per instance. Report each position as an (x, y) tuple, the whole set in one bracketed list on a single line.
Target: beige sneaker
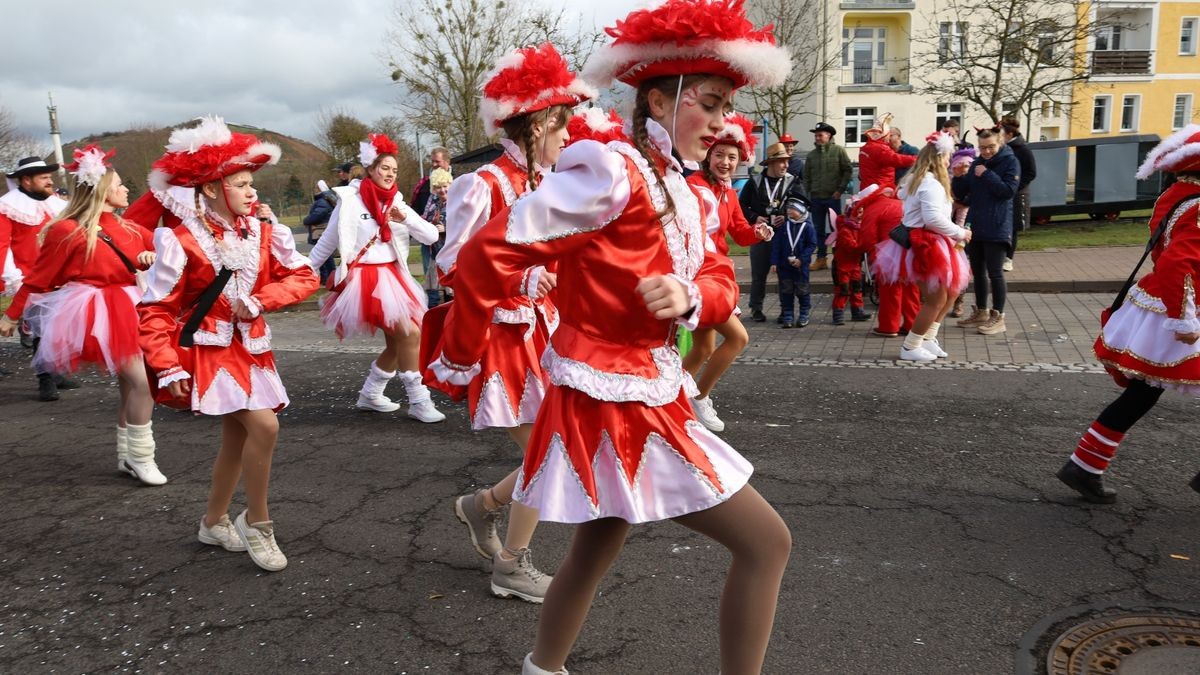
[(259, 540), (519, 577), (222, 534), (978, 316), (994, 324), (480, 522)]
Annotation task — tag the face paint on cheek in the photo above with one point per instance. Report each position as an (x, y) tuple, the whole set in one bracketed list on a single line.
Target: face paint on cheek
[(690, 97)]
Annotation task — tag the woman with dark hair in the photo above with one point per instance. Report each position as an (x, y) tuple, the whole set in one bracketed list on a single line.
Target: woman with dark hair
[(1011, 128), (615, 442), (991, 185)]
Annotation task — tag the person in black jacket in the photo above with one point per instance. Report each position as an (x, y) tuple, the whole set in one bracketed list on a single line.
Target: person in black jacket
[(992, 181), (316, 221), (1011, 127), (762, 200)]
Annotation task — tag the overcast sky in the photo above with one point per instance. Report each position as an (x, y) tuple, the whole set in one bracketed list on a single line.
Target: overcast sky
[(268, 63)]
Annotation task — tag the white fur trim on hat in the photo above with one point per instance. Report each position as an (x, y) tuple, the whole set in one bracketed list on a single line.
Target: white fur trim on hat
[(271, 150), (1170, 152), (211, 131), (762, 64), (495, 112)]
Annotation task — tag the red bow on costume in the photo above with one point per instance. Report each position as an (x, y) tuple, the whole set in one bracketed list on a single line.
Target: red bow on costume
[(378, 201)]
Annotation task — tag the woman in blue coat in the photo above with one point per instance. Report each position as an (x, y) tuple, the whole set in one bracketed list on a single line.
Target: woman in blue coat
[(992, 182)]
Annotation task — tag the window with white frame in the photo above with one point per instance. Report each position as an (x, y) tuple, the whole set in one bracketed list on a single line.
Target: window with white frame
[(864, 49), (952, 39), (1183, 111), (1187, 36), (1131, 105), (948, 111), (858, 120), (1101, 113), (1108, 38)]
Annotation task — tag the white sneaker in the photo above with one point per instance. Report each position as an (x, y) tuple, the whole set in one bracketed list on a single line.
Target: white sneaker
[(259, 540), (531, 668), (920, 355), (377, 403), (145, 471), (933, 347), (707, 414), (1007, 266), (222, 534), (424, 411)]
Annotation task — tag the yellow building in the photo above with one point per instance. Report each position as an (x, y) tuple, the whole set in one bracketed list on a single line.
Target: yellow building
[(1145, 69)]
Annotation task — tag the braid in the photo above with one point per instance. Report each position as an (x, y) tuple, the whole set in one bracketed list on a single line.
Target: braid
[(526, 141), (641, 141)]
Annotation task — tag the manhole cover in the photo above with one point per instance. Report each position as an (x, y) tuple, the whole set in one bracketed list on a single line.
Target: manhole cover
[(1131, 644)]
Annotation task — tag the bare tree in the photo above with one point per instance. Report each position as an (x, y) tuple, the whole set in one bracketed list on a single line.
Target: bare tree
[(439, 51), (14, 144), (801, 26), (339, 133), (1004, 54)]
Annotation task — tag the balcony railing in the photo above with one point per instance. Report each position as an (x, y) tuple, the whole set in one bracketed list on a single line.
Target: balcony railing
[(892, 73), (877, 4), (1121, 62)]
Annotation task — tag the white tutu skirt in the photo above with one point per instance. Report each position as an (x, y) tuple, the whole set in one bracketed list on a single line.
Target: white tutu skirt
[(375, 297), (1137, 343), (80, 323)]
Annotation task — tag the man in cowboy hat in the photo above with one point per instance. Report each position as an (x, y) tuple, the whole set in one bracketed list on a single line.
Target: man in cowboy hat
[(762, 201), (796, 163), (28, 205), (826, 175)]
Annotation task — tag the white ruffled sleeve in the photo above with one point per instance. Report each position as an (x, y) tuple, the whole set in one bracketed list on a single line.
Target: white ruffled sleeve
[(283, 247), (588, 189), (468, 208), (169, 263), (11, 275), (711, 210)]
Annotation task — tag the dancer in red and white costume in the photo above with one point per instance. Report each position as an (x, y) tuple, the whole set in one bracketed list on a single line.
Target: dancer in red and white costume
[(615, 442), (372, 286), (80, 299), (1152, 342), (715, 183), (528, 96), (934, 260), (240, 250)]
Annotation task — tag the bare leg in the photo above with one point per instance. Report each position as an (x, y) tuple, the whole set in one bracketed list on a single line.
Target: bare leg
[(262, 431), (401, 352), (933, 305), (593, 549), (227, 469), (522, 520), (136, 402), (704, 342), (760, 543), (734, 343)]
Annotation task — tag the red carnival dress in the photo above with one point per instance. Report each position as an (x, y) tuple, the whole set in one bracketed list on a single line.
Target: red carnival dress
[(83, 307), (934, 261), (1138, 340), (616, 435), (21, 218), (724, 200), (231, 365), (510, 390), (899, 303)]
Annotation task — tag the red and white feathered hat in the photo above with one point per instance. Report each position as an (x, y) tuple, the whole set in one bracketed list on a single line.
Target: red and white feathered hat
[(90, 165), (1178, 152), (528, 80), (685, 37), (374, 146), (739, 132), (593, 125), (207, 152), (881, 127)]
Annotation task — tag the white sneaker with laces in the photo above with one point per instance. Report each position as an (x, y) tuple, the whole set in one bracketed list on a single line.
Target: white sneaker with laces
[(424, 411), (259, 540), (707, 414), (379, 403), (933, 347), (222, 534), (920, 355)]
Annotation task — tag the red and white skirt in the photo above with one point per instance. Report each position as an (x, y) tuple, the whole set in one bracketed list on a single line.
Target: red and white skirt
[(933, 262), (1137, 343), (511, 384), (590, 459), (373, 297), (229, 379), (80, 323)]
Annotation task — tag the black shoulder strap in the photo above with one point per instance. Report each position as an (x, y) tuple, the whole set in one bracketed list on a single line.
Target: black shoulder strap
[(1154, 238), (202, 306), (120, 254)]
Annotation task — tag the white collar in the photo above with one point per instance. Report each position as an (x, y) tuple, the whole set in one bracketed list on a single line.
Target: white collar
[(26, 210), (514, 153)]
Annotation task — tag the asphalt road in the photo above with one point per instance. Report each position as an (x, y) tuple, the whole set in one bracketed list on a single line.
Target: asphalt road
[(930, 533)]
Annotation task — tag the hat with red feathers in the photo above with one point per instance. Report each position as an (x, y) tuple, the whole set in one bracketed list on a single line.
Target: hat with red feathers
[(593, 125), (528, 80), (207, 152), (374, 146), (1176, 153), (685, 37), (739, 132)]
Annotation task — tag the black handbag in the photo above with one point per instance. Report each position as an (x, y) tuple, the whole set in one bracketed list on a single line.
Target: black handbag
[(900, 235)]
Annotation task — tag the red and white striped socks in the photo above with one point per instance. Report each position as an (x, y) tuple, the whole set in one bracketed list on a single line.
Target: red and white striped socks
[(1097, 448)]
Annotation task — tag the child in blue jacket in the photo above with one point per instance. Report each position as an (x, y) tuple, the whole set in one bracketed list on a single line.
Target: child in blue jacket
[(791, 249)]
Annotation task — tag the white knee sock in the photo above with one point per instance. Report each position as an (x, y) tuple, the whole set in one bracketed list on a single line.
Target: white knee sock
[(122, 443), (913, 340), (377, 381), (416, 390), (932, 333)]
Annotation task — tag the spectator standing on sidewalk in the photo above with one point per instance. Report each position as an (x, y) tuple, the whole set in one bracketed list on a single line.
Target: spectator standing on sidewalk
[(316, 221), (796, 163), (439, 158), (896, 140), (1011, 128), (762, 201), (826, 175), (435, 214), (992, 181)]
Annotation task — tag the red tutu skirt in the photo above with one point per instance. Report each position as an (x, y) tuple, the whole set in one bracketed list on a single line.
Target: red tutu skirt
[(933, 262), (374, 297), (1136, 343), (590, 459), (79, 324)]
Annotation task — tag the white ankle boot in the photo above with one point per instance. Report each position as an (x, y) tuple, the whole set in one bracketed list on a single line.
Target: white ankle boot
[(420, 404), (123, 450), (528, 668), (139, 461), (371, 396)]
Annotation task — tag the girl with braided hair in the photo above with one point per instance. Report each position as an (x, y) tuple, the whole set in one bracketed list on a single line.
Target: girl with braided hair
[(616, 442)]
